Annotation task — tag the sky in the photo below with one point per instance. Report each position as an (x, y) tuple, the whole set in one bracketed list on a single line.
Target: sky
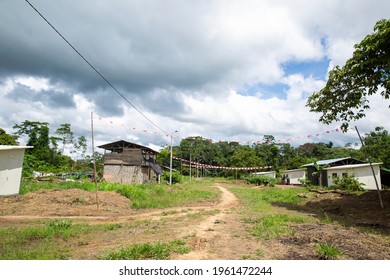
[(224, 70)]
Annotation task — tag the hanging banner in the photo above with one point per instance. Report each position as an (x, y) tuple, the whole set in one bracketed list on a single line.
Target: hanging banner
[(198, 164)]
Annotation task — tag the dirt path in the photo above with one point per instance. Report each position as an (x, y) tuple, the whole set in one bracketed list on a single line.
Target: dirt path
[(218, 234)]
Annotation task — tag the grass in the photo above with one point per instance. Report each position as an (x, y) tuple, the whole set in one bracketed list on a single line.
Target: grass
[(264, 219), (39, 242), (328, 252), (142, 196), (150, 251)]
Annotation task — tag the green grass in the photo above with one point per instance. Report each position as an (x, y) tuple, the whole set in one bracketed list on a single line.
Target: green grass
[(40, 242), (264, 219), (150, 251), (328, 252), (141, 196)]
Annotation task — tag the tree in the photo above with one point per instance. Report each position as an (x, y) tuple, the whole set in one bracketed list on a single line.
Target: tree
[(66, 135), (6, 139), (344, 97), (378, 146)]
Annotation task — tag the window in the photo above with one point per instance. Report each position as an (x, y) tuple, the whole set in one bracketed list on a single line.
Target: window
[(345, 174), (334, 175)]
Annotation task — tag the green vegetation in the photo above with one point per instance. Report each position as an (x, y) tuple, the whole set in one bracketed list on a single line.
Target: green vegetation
[(367, 72), (264, 221), (327, 252), (41, 243), (262, 180), (347, 182), (150, 251), (141, 196)]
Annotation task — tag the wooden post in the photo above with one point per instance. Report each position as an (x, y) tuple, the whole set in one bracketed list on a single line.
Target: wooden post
[(94, 164), (372, 168)]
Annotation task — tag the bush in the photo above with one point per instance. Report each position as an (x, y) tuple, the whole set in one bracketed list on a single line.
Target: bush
[(176, 177), (348, 183), (262, 180)]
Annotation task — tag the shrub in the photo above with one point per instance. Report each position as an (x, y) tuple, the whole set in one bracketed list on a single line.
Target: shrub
[(176, 177), (348, 183), (262, 180)]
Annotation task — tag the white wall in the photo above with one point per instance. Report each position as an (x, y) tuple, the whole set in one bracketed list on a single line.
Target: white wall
[(294, 175), (271, 174), (362, 172), (11, 163)]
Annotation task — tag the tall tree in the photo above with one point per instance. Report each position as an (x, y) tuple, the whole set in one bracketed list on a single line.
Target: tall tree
[(344, 97), (378, 145), (66, 135), (6, 139)]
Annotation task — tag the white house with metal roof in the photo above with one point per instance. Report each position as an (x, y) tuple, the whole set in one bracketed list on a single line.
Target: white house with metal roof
[(362, 172)]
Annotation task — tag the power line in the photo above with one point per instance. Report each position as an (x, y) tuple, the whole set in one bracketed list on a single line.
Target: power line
[(93, 68)]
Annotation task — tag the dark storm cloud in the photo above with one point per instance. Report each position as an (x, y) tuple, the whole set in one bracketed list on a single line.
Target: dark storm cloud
[(136, 47), (51, 98)]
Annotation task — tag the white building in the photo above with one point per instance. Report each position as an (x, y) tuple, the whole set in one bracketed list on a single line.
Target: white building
[(294, 175), (271, 174), (11, 163), (362, 172)]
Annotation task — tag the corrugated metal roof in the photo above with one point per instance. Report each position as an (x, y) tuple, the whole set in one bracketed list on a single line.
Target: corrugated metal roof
[(327, 161), (351, 166)]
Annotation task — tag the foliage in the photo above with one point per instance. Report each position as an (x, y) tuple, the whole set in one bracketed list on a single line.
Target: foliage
[(262, 180), (150, 251), (328, 252), (377, 144), (305, 183), (6, 139), (344, 97), (347, 182), (176, 177)]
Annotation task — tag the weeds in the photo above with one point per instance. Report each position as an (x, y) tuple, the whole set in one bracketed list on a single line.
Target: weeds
[(150, 251), (327, 252)]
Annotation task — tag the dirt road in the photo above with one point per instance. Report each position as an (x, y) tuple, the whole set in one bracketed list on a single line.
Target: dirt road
[(212, 230)]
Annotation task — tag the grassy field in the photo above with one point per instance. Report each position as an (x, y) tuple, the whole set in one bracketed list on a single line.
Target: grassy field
[(264, 220), (261, 211)]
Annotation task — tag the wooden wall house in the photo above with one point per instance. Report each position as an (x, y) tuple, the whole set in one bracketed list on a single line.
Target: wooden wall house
[(129, 163)]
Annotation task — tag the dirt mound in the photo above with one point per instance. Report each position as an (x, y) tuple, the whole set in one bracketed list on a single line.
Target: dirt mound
[(72, 202)]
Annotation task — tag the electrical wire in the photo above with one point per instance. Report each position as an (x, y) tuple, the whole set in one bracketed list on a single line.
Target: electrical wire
[(94, 68)]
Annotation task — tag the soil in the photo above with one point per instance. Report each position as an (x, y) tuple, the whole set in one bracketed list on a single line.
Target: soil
[(355, 224)]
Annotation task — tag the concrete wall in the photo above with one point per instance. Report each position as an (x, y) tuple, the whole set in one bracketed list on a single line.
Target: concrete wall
[(361, 171), (11, 163), (294, 175)]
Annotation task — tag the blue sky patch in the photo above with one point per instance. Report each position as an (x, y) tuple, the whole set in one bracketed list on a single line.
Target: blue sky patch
[(317, 69)]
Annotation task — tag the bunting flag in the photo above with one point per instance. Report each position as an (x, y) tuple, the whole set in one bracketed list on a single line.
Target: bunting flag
[(263, 141), (198, 164)]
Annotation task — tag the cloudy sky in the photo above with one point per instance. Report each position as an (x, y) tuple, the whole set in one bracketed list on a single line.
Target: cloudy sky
[(220, 69)]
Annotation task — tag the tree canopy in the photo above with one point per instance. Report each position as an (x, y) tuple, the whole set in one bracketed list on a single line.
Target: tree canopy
[(367, 72)]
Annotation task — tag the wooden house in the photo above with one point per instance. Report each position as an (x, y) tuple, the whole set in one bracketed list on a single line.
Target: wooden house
[(129, 163)]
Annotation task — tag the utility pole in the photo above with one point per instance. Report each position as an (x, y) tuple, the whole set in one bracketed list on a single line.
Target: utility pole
[(170, 163), (94, 164), (190, 168)]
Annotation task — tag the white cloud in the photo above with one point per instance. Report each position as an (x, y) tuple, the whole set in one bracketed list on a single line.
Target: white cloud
[(180, 62)]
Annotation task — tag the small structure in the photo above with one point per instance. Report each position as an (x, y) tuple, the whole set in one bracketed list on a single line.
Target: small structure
[(362, 172), (11, 164), (271, 174), (314, 175), (294, 175), (129, 163)]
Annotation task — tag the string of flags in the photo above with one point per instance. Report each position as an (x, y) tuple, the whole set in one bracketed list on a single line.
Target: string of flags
[(198, 164), (264, 140)]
